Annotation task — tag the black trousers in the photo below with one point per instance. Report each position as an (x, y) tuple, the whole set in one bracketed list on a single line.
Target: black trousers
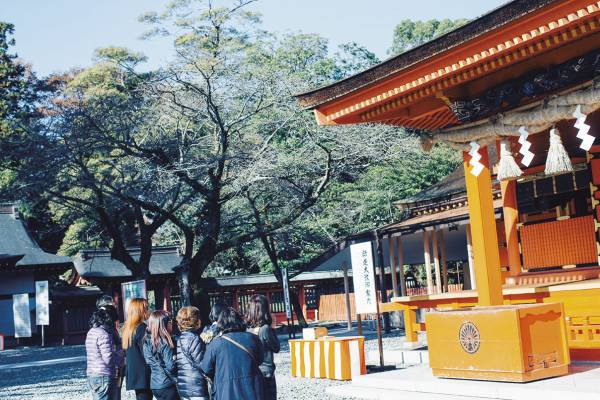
[(169, 393), (143, 394), (270, 388)]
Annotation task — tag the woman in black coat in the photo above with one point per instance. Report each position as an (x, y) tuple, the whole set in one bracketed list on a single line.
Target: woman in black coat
[(134, 330), (259, 322), (190, 350), (232, 360)]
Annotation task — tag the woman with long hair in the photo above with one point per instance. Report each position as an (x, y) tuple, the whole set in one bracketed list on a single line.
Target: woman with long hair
[(210, 331), (232, 360), (259, 321), (159, 355), (191, 384), (134, 330), (104, 359)]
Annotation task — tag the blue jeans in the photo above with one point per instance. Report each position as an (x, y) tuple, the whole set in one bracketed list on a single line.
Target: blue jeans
[(103, 387)]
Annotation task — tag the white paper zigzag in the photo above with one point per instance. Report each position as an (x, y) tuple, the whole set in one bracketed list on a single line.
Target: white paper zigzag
[(587, 140), (525, 145), (475, 157)]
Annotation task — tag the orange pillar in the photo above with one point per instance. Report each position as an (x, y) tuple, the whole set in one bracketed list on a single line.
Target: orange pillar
[(483, 232), (511, 219)]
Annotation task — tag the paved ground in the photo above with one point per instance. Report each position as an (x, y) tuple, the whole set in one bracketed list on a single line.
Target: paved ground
[(58, 373)]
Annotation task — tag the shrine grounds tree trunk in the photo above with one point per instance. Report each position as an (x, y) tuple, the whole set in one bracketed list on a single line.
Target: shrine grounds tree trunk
[(297, 308), (183, 279)]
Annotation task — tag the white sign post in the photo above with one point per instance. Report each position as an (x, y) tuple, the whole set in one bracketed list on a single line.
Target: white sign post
[(21, 316), (363, 278), (42, 306), (365, 294)]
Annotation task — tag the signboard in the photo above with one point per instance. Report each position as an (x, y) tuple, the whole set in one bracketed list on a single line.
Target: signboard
[(286, 293), (132, 290), (363, 278), (42, 304), (21, 315)]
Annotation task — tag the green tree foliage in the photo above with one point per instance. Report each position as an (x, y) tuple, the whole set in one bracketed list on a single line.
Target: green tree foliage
[(409, 34), (211, 152)]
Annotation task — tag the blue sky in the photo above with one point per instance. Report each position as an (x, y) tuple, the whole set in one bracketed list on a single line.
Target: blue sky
[(55, 35)]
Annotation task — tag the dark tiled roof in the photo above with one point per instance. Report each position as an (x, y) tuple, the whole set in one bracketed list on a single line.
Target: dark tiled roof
[(486, 23), (99, 264), (452, 185), (16, 240), (75, 292), (264, 279)]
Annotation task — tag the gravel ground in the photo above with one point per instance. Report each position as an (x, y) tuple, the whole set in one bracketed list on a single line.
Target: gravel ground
[(67, 381)]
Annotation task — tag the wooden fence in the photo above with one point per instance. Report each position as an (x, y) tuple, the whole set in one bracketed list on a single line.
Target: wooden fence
[(332, 307)]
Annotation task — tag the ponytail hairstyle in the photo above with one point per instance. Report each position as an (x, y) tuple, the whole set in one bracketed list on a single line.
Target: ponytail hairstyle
[(159, 329), (258, 313)]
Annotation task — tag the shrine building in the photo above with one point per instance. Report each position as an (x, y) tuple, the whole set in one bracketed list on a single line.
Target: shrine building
[(517, 92)]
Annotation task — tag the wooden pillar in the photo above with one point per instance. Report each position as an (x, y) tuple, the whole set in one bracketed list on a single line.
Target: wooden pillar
[(470, 258), (436, 261), (483, 232), (511, 219), (302, 299), (235, 300), (401, 264), (410, 323), (382, 286), (443, 259), (427, 256), (347, 296), (393, 269), (166, 298)]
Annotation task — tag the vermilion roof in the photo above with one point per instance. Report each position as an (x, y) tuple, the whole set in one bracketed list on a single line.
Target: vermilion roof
[(419, 88), (494, 19)]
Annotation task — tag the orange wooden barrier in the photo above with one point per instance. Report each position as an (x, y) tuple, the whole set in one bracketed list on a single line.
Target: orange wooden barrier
[(332, 307), (558, 243)]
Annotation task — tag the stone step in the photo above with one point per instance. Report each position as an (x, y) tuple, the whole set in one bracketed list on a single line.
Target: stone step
[(580, 384), (351, 391), (399, 357)]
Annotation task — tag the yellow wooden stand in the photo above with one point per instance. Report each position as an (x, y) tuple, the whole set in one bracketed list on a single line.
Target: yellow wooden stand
[(517, 343), (329, 357)]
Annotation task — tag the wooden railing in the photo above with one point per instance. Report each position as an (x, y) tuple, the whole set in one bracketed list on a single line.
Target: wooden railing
[(332, 307)]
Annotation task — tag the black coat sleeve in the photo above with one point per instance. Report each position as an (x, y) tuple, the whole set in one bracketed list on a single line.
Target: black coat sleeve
[(269, 339)]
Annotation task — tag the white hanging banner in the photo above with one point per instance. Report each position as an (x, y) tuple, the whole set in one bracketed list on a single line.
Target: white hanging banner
[(363, 278), (42, 303), (132, 290), (21, 315), (286, 293)]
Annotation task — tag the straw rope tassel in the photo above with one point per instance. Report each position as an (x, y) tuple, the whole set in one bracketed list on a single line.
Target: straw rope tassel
[(507, 167), (525, 146), (587, 140), (558, 160)]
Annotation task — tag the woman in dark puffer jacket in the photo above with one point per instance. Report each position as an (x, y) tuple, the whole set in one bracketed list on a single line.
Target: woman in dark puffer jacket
[(158, 352), (190, 350)]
